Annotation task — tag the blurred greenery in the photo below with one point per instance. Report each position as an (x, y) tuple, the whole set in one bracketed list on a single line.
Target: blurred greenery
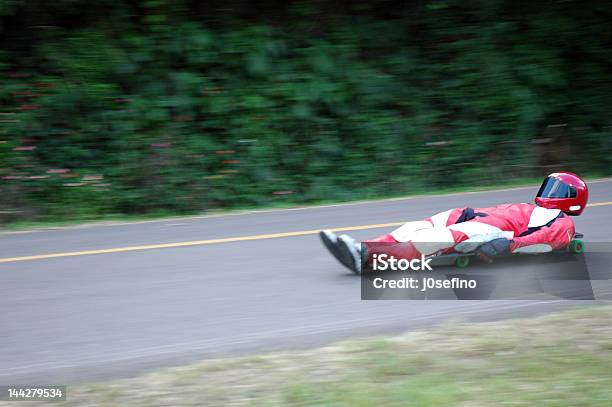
[(558, 360), (137, 107)]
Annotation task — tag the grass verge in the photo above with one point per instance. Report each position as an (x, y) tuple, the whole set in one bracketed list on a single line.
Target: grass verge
[(562, 359)]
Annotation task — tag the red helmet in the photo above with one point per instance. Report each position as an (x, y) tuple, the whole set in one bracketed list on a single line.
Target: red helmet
[(565, 191)]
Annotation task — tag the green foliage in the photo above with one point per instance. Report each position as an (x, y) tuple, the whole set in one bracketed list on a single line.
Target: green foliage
[(139, 107)]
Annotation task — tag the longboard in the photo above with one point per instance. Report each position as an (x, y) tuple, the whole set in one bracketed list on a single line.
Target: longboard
[(462, 260)]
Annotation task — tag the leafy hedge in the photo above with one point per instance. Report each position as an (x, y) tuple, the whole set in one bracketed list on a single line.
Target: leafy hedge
[(181, 106)]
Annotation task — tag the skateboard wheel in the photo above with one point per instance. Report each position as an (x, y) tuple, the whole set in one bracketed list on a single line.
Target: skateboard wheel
[(576, 246), (462, 261)]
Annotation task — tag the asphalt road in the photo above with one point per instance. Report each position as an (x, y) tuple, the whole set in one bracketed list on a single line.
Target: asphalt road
[(89, 316)]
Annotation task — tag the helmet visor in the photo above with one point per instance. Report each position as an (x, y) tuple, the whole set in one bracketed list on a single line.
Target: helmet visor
[(555, 188)]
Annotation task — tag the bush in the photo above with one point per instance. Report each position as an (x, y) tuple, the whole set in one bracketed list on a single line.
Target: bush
[(141, 107)]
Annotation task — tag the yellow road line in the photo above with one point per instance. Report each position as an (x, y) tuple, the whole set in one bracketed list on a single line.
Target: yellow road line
[(599, 204), (212, 241), (193, 243)]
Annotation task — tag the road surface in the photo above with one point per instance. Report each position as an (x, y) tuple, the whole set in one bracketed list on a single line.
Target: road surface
[(101, 301)]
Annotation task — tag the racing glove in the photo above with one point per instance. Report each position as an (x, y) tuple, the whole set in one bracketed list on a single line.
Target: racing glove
[(488, 251)]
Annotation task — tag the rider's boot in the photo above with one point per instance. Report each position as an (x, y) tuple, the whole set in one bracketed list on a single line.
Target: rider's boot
[(345, 249)]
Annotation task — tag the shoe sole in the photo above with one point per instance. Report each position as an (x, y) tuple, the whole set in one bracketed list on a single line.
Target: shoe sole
[(346, 254), (339, 251)]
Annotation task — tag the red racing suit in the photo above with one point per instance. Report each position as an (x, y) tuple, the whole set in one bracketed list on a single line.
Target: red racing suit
[(530, 229)]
